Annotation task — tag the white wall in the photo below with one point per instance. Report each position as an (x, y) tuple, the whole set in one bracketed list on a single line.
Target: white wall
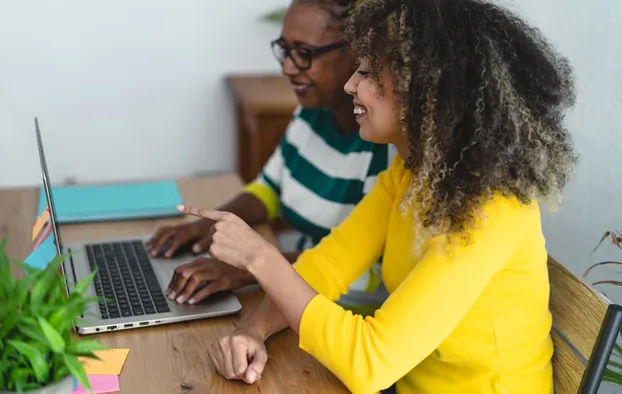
[(590, 34), (141, 80)]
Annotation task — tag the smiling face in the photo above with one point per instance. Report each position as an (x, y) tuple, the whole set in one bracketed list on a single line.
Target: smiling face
[(376, 112), (321, 85)]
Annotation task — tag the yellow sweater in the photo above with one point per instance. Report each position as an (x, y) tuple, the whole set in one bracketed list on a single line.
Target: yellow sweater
[(475, 320)]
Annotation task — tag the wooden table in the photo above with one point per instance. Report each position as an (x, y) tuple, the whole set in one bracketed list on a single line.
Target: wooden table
[(173, 358), (264, 105)]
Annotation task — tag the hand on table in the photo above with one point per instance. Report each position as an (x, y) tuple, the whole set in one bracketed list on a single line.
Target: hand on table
[(241, 355), (215, 275), (233, 241), (168, 239)]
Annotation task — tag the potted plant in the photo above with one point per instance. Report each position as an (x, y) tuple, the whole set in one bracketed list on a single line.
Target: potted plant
[(38, 349), (275, 16), (613, 373)]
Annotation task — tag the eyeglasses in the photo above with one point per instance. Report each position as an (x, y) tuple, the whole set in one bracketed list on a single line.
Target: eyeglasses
[(302, 57)]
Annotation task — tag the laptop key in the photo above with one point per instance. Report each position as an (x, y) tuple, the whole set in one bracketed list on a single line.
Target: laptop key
[(126, 278)]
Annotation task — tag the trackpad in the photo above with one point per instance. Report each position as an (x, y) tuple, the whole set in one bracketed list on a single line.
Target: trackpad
[(166, 272)]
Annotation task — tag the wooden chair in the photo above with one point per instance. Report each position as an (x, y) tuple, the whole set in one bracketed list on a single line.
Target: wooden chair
[(585, 327)]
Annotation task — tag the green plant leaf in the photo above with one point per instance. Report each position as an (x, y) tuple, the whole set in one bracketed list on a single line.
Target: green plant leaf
[(18, 378), (83, 284), (55, 340), (36, 358), (77, 370), (21, 289), (30, 270), (7, 280), (59, 319), (275, 16), (61, 372), (34, 333), (610, 374), (42, 286), (8, 322), (84, 346), (36, 322), (615, 364)]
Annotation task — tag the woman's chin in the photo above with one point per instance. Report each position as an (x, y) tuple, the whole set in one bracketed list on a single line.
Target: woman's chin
[(367, 134), (308, 100)]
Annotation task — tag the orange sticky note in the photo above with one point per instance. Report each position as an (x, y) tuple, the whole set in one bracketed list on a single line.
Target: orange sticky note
[(110, 363), (43, 235), (36, 229)]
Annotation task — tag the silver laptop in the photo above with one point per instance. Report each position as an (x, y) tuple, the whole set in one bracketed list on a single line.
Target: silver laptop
[(132, 282)]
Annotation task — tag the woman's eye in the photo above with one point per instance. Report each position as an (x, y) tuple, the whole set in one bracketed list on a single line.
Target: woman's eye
[(362, 73)]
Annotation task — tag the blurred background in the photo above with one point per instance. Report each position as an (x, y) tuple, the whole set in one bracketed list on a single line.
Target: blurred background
[(154, 89), (137, 89)]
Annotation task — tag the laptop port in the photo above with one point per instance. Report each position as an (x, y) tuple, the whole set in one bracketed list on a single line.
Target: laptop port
[(112, 327), (143, 323), (128, 325)]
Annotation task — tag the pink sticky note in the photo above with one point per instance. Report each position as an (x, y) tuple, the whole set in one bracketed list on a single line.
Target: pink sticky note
[(43, 235), (100, 384)]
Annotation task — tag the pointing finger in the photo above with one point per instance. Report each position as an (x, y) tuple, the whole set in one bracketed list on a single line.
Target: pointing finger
[(201, 212)]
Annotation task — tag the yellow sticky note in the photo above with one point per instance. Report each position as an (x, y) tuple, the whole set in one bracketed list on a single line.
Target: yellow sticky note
[(110, 363), (36, 229)]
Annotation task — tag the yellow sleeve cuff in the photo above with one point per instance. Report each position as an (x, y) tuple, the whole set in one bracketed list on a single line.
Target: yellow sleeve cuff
[(308, 338), (267, 196)]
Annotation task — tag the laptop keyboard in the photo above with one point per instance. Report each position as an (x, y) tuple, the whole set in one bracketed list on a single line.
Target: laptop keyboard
[(125, 277)]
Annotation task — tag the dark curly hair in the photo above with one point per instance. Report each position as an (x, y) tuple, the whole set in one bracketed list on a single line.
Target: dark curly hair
[(339, 10), (482, 102)]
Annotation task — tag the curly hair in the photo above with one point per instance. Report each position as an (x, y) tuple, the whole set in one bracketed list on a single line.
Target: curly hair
[(339, 10), (482, 98)]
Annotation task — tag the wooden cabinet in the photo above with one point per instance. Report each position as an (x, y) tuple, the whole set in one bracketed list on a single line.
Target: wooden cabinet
[(263, 105)]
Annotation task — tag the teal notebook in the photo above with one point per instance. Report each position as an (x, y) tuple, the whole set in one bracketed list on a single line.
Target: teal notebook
[(76, 204)]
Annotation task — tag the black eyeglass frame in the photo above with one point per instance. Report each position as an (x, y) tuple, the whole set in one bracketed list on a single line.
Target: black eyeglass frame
[(309, 52)]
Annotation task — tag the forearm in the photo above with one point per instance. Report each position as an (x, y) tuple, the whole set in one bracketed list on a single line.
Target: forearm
[(288, 292), (265, 321), (292, 256)]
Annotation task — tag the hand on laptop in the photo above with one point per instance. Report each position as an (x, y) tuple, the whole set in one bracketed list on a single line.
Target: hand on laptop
[(213, 274), (168, 239), (233, 240)]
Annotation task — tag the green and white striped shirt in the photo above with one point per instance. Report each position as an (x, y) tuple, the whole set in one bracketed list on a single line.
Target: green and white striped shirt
[(317, 175)]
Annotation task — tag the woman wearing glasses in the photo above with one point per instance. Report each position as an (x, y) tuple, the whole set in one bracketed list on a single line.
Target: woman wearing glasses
[(320, 171), (474, 99)]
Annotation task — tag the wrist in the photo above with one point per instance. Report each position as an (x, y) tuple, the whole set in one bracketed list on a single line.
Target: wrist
[(264, 260), (254, 328)]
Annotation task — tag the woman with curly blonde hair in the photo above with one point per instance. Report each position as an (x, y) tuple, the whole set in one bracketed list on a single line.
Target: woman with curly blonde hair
[(473, 99)]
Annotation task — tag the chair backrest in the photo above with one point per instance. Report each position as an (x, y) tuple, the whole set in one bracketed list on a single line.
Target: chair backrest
[(578, 314)]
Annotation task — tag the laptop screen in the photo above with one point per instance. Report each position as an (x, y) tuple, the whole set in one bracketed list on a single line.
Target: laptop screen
[(48, 192)]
